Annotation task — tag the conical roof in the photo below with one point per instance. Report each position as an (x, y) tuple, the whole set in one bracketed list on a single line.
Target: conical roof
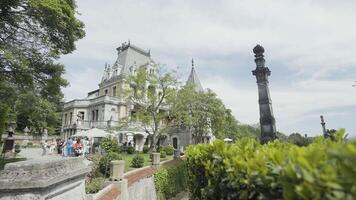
[(194, 80)]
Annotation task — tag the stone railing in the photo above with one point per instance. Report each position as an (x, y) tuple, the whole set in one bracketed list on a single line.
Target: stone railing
[(55, 178), (133, 185)]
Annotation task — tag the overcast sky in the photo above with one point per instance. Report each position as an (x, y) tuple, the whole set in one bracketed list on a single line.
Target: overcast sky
[(310, 47)]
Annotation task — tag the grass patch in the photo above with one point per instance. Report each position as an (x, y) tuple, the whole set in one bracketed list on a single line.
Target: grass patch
[(128, 158)]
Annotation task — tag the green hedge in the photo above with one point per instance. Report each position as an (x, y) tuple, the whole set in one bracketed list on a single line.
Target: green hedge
[(137, 161), (104, 162), (169, 149), (278, 170), (171, 180)]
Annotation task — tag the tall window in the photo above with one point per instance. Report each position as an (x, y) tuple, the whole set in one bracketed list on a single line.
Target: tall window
[(114, 91), (96, 115), (106, 92), (81, 115), (65, 119), (92, 115), (70, 117)]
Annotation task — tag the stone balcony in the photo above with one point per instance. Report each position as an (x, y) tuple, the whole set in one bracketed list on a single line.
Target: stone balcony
[(91, 124), (87, 102)]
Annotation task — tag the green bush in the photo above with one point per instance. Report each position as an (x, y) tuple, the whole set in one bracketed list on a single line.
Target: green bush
[(94, 185), (277, 170), (163, 154), (169, 149), (110, 144), (137, 161), (29, 144), (171, 180), (145, 149), (17, 148), (104, 163), (130, 150)]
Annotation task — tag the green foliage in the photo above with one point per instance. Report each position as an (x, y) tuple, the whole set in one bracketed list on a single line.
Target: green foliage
[(34, 33), (104, 163), (130, 150), (169, 149), (163, 154), (29, 144), (110, 144), (137, 161), (299, 140), (94, 185), (278, 170), (145, 149), (204, 111), (149, 93), (36, 112), (171, 180)]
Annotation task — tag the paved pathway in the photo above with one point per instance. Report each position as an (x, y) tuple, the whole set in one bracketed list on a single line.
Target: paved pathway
[(36, 153)]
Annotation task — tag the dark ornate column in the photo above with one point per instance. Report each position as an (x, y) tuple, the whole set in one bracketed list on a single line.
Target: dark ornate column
[(325, 133), (267, 121)]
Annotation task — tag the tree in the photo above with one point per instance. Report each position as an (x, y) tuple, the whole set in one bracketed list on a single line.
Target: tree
[(200, 111), (33, 34), (152, 95), (298, 139)]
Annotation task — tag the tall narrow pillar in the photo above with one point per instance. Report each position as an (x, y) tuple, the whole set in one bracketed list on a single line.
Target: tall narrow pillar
[(267, 121), (323, 126)]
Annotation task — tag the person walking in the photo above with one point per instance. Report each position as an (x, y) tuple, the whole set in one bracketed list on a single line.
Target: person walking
[(69, 144), (78, 148), (44, 147)]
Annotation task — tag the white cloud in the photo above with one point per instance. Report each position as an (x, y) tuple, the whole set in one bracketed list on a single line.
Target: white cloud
[(313, 39)]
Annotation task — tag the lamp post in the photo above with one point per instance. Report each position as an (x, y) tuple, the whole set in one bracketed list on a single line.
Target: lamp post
[(9, 141)]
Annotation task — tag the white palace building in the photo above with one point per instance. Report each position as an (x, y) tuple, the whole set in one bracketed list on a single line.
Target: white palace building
[(106, 107)]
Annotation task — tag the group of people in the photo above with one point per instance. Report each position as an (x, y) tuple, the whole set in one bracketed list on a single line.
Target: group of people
[(76, 147), (71, 147)]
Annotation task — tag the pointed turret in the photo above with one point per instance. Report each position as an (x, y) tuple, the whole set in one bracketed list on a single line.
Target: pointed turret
[(194, 80)]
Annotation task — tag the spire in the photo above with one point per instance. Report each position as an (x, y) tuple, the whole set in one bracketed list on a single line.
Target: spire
[(194, 80)]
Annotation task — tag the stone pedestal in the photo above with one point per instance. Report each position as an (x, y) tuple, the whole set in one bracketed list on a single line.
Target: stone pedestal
[(117, 168), (155, 159), (176, 154), (53, 179)]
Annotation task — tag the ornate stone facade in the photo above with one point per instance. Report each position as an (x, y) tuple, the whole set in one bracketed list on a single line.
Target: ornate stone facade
[(107, 106)]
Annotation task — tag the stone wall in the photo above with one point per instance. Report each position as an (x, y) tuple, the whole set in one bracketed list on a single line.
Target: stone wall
[(55, 178), (135, 185)]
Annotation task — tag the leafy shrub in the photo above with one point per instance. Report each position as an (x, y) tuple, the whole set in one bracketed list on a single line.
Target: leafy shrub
[(145, 149), (94, 185), (137, 161), (29, 144), (104, 163), (17, 148), (110, 144), (169, 149), (163, 154), (171, 180), (277, 170), (130, 150)]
